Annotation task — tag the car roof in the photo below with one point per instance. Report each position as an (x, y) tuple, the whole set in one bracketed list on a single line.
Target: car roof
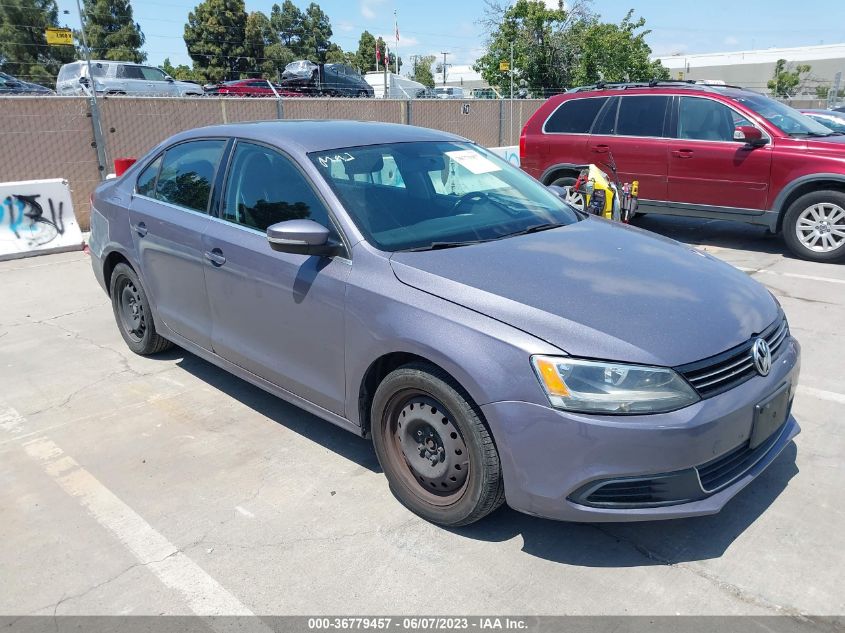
[(319, 135)]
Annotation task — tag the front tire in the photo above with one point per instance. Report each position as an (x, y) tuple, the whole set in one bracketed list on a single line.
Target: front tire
[(132, 313), (814, 226), (434, 447)]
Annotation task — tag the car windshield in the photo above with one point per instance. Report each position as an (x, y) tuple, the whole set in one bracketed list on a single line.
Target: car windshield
[(429, 195), (834, 121), (787, 119)]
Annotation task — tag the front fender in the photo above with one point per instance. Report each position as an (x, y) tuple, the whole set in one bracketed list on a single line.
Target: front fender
[(490, 359), (793, 185)]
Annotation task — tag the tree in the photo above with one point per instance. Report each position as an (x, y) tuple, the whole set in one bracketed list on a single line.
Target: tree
[(181, 72), (215, 37), (259, 36), (365, 57), (111, 33), (422, 70), (614, 52), (288, 23), (557, 48), (317, 33), (24, 51), (823, 92), (785, 81)]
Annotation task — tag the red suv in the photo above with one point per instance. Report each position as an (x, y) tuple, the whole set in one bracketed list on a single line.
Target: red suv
[(703, 151)]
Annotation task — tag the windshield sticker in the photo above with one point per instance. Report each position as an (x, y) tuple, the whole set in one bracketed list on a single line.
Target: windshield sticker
[(344, 158), (473, 161)]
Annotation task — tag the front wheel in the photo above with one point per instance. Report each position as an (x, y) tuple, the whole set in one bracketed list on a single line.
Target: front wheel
[(814, 226), (436, 451)]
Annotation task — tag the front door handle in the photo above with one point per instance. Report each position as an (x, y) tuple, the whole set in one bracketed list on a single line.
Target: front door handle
[(600, 149), (141, 229), (682, 153), (215, 256)]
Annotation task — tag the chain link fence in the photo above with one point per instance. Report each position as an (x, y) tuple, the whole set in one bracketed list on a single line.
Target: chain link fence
[(53, 137)]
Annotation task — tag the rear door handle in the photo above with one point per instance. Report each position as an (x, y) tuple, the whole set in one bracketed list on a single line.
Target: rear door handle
[(600, 149), (682, 153), (215, 256), (141, 229)]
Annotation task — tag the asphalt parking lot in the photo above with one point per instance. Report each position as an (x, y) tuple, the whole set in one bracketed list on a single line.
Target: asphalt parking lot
[(134, 485)]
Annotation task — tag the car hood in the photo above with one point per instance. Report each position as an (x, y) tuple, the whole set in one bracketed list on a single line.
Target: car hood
[(600, 290)]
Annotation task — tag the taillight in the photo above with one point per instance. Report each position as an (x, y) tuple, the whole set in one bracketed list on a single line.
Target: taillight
[(522, 141)]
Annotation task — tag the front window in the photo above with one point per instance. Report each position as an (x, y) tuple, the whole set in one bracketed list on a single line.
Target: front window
[(428, 195), (707, 120), (786, 119)]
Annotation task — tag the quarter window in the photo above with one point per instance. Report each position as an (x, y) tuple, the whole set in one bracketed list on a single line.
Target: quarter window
[(265, 187), (574, 116), (642, 115), (707, 120), (187, 173), (147, 180)]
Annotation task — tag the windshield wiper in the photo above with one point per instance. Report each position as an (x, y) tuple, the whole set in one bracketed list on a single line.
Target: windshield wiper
[(537, 228), (436, 246)]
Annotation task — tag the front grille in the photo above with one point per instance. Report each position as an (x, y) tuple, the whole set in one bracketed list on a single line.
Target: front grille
[(641, 492), (724, 371), (724, 470), (637, 491)]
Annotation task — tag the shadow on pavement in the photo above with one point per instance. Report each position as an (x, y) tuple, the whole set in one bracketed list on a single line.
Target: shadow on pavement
[(324, 433), (583, 544), (641, 543), (719, 233)]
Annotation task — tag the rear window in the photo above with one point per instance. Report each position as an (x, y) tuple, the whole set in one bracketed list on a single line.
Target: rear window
[(574, 116), (642, 115)]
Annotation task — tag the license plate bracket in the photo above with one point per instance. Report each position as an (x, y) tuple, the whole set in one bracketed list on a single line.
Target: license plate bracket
[(769, 415)]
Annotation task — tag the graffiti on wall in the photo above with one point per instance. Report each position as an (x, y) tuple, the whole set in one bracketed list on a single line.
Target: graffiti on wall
[(37, 216), (24, 216)]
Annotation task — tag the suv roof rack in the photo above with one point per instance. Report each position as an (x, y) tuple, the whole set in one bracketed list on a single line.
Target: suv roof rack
[(654, 83)]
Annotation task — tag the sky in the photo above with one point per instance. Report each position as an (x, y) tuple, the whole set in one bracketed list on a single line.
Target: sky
[(428, 27)]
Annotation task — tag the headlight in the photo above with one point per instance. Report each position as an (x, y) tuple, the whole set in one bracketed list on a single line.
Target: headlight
[(615, 388)]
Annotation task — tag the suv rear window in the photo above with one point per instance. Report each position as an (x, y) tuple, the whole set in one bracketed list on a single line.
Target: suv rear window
[(642, 115), (574, 116)]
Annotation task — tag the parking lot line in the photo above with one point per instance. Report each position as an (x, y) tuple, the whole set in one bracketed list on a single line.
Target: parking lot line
[(767, 271), (202, 593), (832, 396)]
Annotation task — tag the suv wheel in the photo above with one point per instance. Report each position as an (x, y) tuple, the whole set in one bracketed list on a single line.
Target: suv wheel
[(436, 451), (814, 226), (572, 197)]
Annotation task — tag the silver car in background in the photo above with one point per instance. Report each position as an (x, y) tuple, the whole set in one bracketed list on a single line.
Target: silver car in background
[(122, 78)]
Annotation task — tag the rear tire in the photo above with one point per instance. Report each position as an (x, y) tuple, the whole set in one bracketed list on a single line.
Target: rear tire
[(132, 313), (814, 226), (434, 447)]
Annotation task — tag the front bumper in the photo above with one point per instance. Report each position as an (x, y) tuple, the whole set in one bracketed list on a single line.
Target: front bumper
[(552, 458)]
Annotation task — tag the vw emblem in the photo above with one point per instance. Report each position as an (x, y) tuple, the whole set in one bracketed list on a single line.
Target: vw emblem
[(762, 357)]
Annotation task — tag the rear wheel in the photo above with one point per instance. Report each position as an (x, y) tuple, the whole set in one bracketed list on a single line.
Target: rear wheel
[(573, 197), (814, 226), (132, 313), (436, 451)]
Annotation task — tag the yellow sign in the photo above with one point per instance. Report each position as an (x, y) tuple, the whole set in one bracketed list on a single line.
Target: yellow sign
[(680, 75), (503, 66), (59, 36)]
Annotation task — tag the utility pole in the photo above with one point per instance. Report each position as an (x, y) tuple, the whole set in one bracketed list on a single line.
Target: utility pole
[(510, 72), (444, 66), (95, 109)]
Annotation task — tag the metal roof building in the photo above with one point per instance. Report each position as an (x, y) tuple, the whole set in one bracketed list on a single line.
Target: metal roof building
[(753, 69)]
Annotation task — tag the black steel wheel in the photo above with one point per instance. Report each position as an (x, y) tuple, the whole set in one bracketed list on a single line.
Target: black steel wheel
[(132, 313), (435, 449)]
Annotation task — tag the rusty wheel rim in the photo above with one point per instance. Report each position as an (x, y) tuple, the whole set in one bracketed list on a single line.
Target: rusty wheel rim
[(426, 448), (131, 310)]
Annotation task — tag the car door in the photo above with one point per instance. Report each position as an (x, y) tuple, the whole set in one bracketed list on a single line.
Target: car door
[(167, 215), (131, 80), (278, 315), (567, 131), (708, 167), (158, 82), (631, 131)]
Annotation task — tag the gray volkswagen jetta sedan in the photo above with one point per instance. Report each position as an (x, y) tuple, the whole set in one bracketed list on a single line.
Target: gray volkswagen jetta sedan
[(495, 343)]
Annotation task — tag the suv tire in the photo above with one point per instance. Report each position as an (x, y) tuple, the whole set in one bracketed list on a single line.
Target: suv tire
[(572, 197), (814, 226), (434, 447)]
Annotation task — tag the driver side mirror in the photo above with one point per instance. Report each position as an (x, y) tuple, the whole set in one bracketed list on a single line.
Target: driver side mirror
[(301, 237), (749, 135)]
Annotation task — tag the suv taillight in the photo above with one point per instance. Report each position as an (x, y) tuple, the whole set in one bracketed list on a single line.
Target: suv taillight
[(522, 139)]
